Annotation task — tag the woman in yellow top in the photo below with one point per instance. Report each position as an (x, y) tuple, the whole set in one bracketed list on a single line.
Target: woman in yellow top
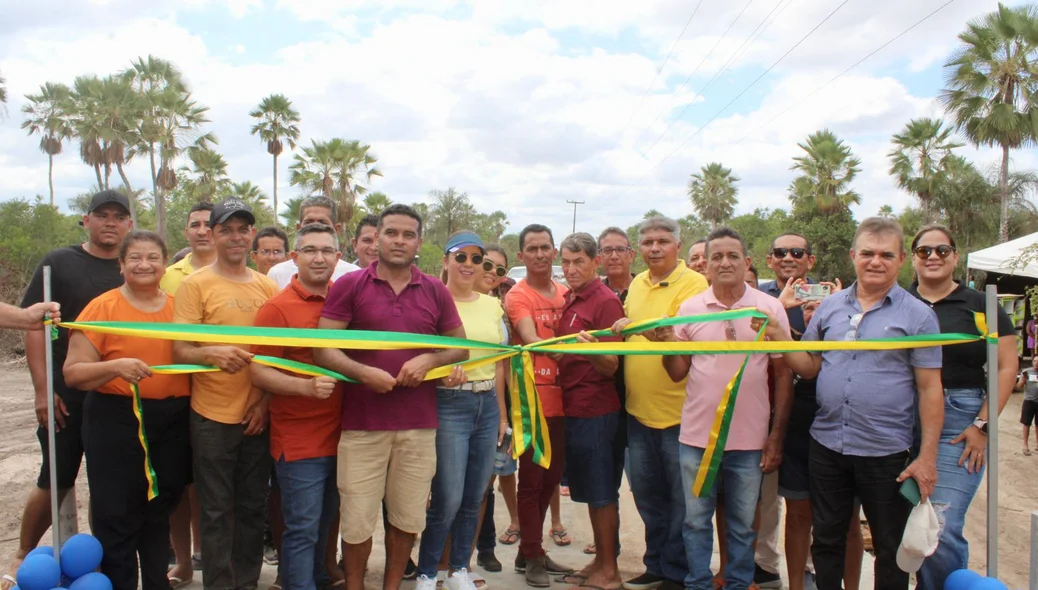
[(470, 405), (127, 524)]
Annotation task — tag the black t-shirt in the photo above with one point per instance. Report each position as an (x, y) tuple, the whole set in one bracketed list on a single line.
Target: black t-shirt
[(76, 277), (963, 364), (805, 405)]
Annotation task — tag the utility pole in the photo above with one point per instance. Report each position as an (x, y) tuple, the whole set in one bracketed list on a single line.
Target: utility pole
[(575, 203)]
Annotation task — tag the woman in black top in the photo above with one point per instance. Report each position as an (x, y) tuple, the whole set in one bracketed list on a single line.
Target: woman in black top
[(960, 456)]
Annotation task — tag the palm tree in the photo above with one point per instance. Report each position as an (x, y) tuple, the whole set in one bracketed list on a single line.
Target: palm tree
[(291, 213), (150, 79), (84, 107), (376, 202), (276, 122), (208, 170), (450, 211), (332, 168), (120, 113), (827, 169), (45, 116), (713, 193), (886, 211), (355, 161), (919, 160), (992, 82)]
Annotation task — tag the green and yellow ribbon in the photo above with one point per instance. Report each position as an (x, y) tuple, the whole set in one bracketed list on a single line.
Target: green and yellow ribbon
[(528, 421)]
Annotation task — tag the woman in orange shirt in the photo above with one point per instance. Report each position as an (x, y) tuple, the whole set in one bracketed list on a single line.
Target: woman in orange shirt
[(126, 523)]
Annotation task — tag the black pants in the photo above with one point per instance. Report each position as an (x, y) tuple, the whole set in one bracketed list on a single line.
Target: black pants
[(232, 474), (835, 481), (124, 521)]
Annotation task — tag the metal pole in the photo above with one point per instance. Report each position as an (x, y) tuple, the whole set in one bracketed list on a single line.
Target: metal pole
[(575, 203), (993, 394), (1033, 584), (51, 451)]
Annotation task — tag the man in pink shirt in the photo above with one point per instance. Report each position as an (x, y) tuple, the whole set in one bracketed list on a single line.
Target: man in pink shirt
[(751, 450)]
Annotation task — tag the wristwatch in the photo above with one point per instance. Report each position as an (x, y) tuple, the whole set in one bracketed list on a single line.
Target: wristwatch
[(981, 424)]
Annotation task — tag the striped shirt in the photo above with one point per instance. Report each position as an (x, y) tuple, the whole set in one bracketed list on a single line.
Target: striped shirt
[(867, 398)]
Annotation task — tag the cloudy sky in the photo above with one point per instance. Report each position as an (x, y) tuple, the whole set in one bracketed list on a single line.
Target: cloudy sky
[(522, 104)]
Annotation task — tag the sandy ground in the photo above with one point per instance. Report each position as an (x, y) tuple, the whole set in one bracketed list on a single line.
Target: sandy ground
[(1018, 493)]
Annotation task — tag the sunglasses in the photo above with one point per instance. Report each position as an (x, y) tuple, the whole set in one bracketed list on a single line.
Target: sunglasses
[(797, 253), (943, 251), (489, 266), (477, 259)]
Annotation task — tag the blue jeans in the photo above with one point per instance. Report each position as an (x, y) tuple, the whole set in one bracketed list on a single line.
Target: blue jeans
[(741, 477), (465, 445), (309, 500), (655, 478), (955, 489)]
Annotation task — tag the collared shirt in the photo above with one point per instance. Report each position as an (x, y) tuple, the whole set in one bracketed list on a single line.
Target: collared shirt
[(652, 398), (366, 302), (802, 414), (300, 427), (866, 398), (175, 274), (709, 374), (283, 272), (621, 294), (586, 393), (523, 301), (963, 364)]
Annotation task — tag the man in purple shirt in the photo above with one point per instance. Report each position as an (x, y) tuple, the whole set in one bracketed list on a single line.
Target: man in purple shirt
[(388, 444), (863, 429)]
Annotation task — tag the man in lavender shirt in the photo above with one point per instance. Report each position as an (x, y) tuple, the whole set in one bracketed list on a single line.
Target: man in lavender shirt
[(388, 443), (863, 430)]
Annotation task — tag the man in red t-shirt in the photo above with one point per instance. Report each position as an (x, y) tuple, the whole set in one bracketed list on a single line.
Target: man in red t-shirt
[(305, 412), (594, 451), (387, 449), (533, 308)]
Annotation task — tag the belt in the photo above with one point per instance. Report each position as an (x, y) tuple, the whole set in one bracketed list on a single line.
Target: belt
[(478, 386)]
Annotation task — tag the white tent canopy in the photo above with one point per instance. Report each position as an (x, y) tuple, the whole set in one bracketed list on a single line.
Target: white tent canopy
[(999, 258)]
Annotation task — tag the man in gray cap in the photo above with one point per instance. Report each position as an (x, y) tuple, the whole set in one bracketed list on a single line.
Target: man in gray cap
[(78, 274)]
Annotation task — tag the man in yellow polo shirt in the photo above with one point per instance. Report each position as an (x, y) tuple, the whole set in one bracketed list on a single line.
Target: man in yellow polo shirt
[(654, 406), (202, 254)]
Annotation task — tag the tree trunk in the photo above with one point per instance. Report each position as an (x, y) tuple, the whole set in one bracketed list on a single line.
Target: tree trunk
[(154, 178), (108, 175), (50, 177), (97, 172), (1003, 180), (160, 208), (275, 189), (129, 193)]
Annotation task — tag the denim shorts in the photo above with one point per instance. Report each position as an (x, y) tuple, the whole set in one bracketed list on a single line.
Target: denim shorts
[(594, 459)]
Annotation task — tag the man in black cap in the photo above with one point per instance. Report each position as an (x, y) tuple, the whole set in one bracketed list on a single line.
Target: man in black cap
[(78, 274), (229, 438)]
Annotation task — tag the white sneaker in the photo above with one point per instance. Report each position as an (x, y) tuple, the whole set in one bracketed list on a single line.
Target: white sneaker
[(424, 582), (460, 580)]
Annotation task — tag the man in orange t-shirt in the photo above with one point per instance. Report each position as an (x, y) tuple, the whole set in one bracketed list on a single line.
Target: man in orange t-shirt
[(533, 307), (305, 413)]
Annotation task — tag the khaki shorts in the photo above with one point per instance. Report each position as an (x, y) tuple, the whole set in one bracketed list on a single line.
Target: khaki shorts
[(395, 465)]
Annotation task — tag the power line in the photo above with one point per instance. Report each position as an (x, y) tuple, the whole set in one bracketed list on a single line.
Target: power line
[(659, 70), (744, 91), (723, 69), (834, 78), (575, 203), (695, 71)]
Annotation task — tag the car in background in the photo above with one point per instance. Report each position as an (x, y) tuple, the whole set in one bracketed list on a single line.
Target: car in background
[(519, 272)]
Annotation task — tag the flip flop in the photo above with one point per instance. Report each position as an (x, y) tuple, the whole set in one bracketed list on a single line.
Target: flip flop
[(1027, 453), (478, 581), (574, 579), (509, 537), (561, 537), (9, 579), (175, 582), (598, 587), (590, 549)]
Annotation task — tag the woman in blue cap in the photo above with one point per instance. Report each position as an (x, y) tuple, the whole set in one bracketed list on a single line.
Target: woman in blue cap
[(472, 422)]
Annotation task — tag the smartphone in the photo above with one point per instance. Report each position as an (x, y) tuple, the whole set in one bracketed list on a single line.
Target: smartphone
[(910, 491), (805, 292)]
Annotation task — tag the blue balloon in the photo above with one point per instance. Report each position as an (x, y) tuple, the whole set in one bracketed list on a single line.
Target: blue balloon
[(92, 581), (42, 550), (988, 584), (38, 572), (961, 580), (80, 555)]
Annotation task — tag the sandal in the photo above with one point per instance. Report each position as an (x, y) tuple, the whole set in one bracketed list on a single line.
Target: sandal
[(9, 582), (509, 537), (561, 537), (590, 549), (1027, 452), (478, 581), (175, 582)]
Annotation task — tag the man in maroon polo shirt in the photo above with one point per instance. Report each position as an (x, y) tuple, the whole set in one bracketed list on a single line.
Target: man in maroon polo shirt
[(594, 451), (388, 443)]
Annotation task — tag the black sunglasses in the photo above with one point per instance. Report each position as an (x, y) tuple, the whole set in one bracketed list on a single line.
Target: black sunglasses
[(797, 253), (477, 259), (489, 266), (943, 251)]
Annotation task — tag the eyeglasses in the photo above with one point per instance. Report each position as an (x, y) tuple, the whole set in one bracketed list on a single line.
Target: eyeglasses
[(797, 253), (477, 259), (729, 330), (313, 251), (943, 251), (274, 252), (488, 266), (852, 333), (607, 252)]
